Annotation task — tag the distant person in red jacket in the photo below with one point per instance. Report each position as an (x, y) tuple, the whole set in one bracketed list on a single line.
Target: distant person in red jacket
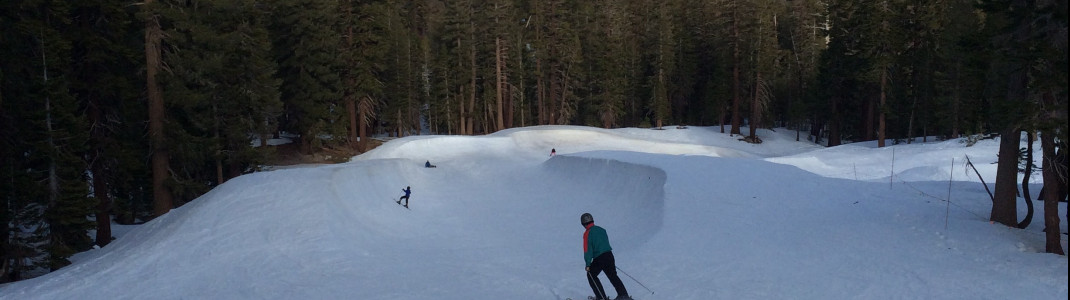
[(553, 151)]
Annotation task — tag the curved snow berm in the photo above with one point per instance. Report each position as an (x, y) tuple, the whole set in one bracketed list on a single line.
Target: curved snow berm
[(523, 144), (626, 197)]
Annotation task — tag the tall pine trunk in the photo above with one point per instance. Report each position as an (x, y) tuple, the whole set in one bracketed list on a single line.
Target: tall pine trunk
[(735, 74), (351, 111), (871, 116), (472, 92), (162, 201), (882, 126), (540, 92), (53, 177), (521, 94), (1054, 174), (552, 94), (1051, 197), (220, 178), (833, 123), (910, 122), (955, 95), (462, 120), (723, 114), (498, 61), (100, 177), (362, 124), (540, 86), (462, 123), (755, 115), (351, 81), (1004, 209)]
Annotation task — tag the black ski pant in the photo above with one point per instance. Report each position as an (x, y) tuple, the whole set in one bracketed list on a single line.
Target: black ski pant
[(406, 198), (605, 262)]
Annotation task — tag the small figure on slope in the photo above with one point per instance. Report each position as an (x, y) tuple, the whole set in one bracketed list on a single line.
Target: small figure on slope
[(553, 151), (599, 257), (407, 190), (428, 164)]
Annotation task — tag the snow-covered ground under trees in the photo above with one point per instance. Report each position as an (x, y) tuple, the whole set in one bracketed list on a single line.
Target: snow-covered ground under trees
[(691, 213)]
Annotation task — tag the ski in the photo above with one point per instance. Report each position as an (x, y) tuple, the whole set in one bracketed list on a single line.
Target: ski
[(593, 298)]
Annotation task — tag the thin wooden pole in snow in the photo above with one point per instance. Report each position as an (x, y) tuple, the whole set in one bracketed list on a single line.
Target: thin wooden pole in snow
[(892, 175), (947, 212)]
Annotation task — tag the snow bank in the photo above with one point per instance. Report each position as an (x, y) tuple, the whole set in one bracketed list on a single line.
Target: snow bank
[(692, 213)]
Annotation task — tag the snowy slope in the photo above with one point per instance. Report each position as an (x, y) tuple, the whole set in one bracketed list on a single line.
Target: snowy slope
[(692, 213)]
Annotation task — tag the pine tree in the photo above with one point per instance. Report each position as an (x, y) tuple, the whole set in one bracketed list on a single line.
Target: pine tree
[(712, 85), (840, 69), (502, 20), (664, 63), (1011, 78), (1035, 96), (162, 198), (402, 70), (20, 178), (523, 62), (364, 50), (806, 44), (1051, 93), (248, 92), (558, 51), (735, 16), (925, 21), (684, 92), (442, 89), (457, 46), (222, 89), (881, 48), (68, 206), (306, 49), (766, 58), (105, 61), (612, 42), (964, 67), (45, 187)]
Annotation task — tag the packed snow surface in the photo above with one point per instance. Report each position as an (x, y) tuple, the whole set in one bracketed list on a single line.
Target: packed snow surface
[(691, 214)]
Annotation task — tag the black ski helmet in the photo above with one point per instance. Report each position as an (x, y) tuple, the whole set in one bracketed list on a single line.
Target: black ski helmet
[(586, 218)]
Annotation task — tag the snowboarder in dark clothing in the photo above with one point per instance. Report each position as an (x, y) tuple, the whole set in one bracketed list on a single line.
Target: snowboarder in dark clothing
[(407, 190), (599, 257), (428, 164)]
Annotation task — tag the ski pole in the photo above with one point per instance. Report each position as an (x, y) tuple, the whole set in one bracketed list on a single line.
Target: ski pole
[(602, 292), (636, 281)]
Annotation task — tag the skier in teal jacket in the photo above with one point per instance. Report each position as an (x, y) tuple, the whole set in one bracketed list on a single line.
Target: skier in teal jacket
[(599, 257)]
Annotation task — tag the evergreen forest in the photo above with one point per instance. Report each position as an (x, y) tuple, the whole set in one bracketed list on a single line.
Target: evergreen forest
[(119, 111)]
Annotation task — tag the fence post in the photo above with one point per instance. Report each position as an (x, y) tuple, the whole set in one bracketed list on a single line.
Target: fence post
[(947, 212)]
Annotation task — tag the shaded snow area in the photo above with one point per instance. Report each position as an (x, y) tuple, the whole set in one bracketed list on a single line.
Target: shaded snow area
[(691, 213)]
